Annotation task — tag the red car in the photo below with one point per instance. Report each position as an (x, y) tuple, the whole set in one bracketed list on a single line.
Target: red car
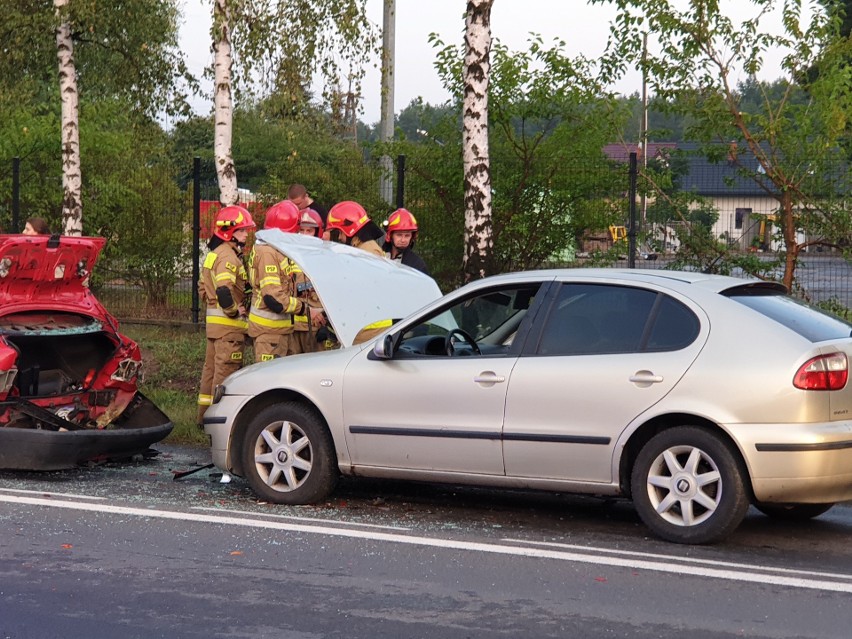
[(68, 378)]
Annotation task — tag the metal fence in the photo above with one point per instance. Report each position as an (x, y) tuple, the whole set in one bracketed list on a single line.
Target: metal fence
[(157, 224)]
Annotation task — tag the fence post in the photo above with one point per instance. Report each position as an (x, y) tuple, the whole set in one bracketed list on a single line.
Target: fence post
[(400, 181), (16, 195), (196, 236), (631, 228)]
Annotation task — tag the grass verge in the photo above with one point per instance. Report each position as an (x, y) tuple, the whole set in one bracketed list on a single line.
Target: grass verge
[(172, 360)]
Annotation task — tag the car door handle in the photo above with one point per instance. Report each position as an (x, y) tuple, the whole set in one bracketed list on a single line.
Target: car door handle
[(489, 377), (645, 378)]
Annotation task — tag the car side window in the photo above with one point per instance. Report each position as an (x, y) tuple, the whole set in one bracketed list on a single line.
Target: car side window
[(587, 319), (483, 324)]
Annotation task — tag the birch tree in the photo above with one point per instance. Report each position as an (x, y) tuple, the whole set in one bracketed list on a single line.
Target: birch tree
[(545, 110), (222, 103), (125, 51), (478, 239), (72, 184), (278, 47)]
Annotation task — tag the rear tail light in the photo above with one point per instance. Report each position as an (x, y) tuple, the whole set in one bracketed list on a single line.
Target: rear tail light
[(825, 372)]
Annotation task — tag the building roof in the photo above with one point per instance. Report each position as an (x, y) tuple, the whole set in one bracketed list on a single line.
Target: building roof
[(728, 177), (704, 177)]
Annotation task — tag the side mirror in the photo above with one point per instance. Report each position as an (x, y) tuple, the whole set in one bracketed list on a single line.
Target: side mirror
[(383, 349)]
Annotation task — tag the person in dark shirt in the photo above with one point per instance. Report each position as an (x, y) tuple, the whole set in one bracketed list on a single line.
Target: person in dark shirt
[(399, 240), (298, 195)]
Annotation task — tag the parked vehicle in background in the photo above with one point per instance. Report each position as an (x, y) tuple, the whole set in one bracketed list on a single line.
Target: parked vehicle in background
[(68, 377), (693, 395)]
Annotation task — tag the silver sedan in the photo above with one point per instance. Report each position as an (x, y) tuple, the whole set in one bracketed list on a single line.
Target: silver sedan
[(692, 395)]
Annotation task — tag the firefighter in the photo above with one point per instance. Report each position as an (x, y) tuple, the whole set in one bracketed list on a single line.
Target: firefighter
[(399, 240), (311, 223), (222, 288), (305, 327), (349, 223), (275, 301), (323, 338), (399, 244)]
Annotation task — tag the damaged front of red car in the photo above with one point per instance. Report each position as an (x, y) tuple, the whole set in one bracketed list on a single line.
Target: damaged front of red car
[(68, 378)]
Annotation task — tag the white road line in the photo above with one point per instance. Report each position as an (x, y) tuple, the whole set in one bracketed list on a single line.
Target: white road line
[(248, 513), (450, 544), (45, 492), (675, 559)]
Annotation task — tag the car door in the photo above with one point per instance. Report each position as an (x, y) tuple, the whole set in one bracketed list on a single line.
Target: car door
[(604, 354), (425, 409)]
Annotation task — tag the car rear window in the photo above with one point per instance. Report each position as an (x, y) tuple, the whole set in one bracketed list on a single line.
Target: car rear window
[(808, 321)]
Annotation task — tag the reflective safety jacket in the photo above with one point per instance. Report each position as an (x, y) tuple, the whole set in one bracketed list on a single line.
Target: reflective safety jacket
[(304, 291), (274, 301), (223, 290)]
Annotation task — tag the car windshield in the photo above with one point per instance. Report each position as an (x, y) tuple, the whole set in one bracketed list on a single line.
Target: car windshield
[(808, 321)]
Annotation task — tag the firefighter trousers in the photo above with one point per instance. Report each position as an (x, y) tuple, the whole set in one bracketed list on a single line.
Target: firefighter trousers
[(224, 356), (269, 346)]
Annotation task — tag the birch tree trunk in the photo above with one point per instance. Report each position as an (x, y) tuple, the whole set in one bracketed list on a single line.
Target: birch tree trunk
[(477, 164), (223, 104), (72, 184)]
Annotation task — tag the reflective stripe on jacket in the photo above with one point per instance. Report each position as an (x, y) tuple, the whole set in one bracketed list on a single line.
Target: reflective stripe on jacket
[(268, 319), (218, 316), (223, 267)]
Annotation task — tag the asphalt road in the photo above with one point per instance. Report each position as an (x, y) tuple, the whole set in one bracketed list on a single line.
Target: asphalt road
[(122, 550)]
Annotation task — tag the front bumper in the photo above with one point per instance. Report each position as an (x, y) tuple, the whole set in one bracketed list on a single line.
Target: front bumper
[(141, 425), (218, 424)]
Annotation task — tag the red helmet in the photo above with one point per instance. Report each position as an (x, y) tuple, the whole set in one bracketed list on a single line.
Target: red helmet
[(311, 220), (284, 216), (229, 219), (401, 220), (348, 217)]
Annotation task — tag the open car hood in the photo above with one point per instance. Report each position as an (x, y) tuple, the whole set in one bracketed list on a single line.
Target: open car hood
[(42, 272), (356, 288)]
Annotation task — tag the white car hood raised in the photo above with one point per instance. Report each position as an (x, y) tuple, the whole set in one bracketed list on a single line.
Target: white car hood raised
[(356, 288)]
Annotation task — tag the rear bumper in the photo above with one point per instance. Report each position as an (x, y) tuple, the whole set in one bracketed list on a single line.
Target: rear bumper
[(798, 463), (142, 424)]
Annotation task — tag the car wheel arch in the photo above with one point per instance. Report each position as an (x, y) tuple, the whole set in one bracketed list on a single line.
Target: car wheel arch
[(644, 433), (251, 409)]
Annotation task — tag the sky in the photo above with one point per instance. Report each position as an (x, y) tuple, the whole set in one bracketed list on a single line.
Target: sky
[(584, 29)]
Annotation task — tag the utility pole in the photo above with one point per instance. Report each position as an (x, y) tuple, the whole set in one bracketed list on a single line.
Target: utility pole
[(643, 123), (387, 121)]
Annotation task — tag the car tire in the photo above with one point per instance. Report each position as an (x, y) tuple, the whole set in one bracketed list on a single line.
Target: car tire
[(288, 455), (792, 512), (688, 486)]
